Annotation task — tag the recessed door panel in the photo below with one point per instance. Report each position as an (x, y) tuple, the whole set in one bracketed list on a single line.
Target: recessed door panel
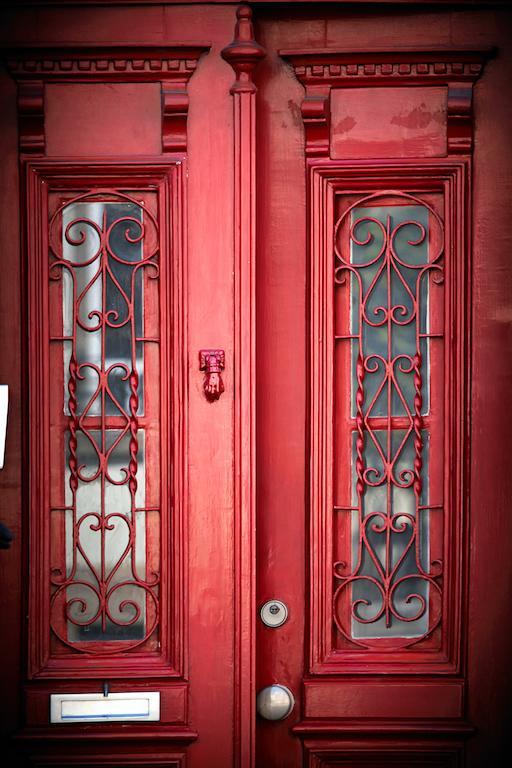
[(102, 490)]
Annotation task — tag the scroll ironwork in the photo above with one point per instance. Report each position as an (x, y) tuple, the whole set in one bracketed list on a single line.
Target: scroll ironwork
[(103, 589), (388, 288)]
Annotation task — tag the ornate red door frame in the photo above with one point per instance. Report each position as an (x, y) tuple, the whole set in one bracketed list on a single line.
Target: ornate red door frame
[(320, 72)]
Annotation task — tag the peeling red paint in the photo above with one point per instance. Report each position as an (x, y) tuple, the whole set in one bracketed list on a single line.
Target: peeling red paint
[(419, 117), (345, 125)]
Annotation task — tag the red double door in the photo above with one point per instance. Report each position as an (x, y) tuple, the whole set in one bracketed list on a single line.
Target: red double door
[(256, 465)]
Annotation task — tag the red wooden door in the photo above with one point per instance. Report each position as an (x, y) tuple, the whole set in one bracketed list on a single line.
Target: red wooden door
[(370, 272), (128, 552), (258, 370)]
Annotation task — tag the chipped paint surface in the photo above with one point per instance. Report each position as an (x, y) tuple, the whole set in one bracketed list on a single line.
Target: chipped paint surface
[(388, 122)]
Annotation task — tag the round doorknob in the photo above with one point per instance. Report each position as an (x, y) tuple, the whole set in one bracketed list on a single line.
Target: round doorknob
[(275, 702)]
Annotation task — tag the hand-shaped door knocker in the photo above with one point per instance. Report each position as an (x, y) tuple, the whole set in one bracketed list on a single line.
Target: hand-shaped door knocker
[(211, 361)]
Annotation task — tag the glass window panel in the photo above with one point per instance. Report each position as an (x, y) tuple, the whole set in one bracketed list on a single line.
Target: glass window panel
[(106, 580), (389, 283), (103, 278), (107, 558), (389, 553), (384, 584)]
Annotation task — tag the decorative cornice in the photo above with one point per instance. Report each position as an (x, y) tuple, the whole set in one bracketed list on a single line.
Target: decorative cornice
[(342, 69), (243, 53), (172, 67), (105, 64), (323, 69)]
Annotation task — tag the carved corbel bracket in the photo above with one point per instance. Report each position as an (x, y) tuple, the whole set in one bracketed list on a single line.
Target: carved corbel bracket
[(459, 118), (31, 116), (316, 114), (172, 67), (243, 53), (322, 70), (175, 103)]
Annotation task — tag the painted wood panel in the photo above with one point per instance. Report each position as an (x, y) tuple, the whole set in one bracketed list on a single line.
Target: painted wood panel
[(76, 117), (388, 122)]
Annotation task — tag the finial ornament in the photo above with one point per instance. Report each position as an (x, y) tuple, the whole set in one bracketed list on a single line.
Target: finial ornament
[(243, 53)]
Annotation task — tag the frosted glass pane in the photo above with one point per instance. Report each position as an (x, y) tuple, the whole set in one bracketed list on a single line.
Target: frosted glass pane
[(393, 549), (390, 320), (109, 560), (100, 283)]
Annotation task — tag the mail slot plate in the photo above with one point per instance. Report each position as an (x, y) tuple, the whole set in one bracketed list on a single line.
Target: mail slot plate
[(97, 708)]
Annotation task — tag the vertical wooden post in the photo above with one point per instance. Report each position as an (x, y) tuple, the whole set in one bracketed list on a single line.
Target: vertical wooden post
[(243, 54)]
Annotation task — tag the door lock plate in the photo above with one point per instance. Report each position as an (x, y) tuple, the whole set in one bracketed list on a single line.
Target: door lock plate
[(274, 613)]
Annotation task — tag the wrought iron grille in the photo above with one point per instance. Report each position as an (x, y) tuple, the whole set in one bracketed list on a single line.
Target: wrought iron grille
[(104, 247), (389, 250)]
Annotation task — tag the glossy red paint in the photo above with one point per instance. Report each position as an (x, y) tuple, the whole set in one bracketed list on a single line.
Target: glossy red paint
[(251, 177)]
